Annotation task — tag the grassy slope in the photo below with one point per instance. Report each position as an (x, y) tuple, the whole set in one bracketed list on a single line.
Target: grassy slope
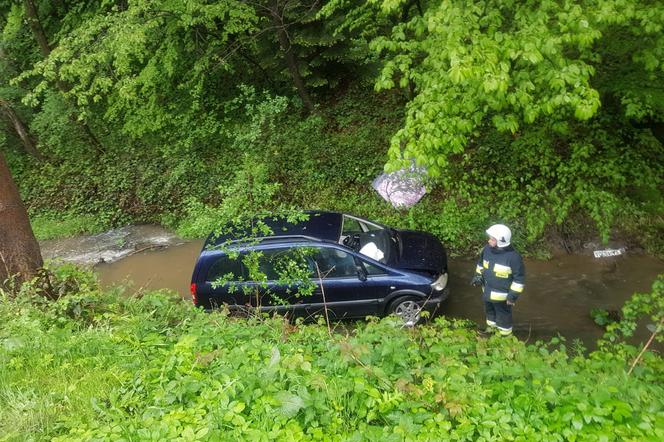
[(104, 366)]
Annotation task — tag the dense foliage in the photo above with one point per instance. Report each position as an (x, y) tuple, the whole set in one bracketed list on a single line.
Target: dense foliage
[(545, 115), (101, 366), (538, 71), (542, 115)]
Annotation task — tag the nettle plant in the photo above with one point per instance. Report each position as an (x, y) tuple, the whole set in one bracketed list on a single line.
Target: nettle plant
[(648, 306), (641, 309)]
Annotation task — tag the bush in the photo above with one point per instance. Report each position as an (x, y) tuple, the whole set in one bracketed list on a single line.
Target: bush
[(59, 225)]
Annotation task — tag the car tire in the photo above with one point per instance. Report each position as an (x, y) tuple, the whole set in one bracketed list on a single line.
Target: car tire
[(408, 309)]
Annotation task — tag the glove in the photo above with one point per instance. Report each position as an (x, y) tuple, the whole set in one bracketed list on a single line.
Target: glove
[(477, 280)]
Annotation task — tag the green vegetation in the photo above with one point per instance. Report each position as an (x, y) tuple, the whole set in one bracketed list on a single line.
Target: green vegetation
[(53, 226), (543, 115), (98, 365), (546, 116)]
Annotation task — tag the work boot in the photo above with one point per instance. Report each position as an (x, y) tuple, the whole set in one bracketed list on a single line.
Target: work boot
[(487, 332)]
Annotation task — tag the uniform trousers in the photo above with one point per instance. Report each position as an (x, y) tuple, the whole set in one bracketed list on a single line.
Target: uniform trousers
[(499, 315)]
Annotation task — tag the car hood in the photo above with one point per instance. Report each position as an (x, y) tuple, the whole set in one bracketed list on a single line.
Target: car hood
[(421, 251)]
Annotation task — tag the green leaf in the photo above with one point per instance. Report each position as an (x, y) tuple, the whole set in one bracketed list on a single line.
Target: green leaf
[(290, 404)]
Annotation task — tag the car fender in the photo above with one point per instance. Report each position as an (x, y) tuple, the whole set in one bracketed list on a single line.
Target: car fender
[(197, 271), (386, 301)]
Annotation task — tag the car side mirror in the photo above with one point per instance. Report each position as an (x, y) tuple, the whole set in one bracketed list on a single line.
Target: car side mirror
[(361, 272)]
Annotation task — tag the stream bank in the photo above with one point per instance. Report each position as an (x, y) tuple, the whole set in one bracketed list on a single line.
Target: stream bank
[(560, 292)]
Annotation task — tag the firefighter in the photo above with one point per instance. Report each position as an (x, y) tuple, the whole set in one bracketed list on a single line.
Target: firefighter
[(501, 272)]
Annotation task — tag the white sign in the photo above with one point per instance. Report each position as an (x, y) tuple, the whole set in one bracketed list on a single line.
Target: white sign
[(608, 252)]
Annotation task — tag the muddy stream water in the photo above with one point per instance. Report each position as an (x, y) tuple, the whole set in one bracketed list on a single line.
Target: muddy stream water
[(560, 292)]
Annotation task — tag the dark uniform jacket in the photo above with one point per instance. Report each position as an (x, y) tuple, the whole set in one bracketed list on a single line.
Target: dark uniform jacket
[(503, 273)]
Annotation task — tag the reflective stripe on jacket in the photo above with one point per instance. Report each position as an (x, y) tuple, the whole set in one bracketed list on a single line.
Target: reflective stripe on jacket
[(503, 272)]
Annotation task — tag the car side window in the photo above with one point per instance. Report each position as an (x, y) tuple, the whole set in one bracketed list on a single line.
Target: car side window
[(227, 268), (266, 264), (285, 263), (368, 227), (335, 263), (351, 226), (372, 269)]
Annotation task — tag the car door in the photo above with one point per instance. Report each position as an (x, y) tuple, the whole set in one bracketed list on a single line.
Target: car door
[(280, 280), (379, 283), (340, 286), (248, 279), (223, 282)]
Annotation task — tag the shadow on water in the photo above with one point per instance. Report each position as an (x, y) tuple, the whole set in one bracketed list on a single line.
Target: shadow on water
[(560, 293)]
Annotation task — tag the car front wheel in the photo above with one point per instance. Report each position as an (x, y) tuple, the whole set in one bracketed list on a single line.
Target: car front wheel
[(407, 309)]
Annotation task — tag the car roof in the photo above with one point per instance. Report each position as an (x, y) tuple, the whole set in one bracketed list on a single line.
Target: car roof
[(323, 226)]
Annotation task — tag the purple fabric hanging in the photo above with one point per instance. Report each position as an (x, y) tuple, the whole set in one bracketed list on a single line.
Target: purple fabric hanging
[(403, 188)]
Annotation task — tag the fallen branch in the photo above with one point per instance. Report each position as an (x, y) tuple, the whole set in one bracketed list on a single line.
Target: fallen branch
[(645, 347), (327, 317)]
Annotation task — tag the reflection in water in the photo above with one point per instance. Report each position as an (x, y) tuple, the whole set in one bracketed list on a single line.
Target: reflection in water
[(559, 293)]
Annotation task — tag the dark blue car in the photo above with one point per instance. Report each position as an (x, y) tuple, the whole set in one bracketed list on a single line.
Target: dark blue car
[(348, 265)]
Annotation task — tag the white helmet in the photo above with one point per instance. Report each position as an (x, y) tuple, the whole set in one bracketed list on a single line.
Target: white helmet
[(502, 233)]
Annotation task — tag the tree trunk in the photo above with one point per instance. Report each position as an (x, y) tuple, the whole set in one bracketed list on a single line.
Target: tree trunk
[(21, 130), (291, 59), (255, 63), (37, 30), (19, 250), (42, 40)]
